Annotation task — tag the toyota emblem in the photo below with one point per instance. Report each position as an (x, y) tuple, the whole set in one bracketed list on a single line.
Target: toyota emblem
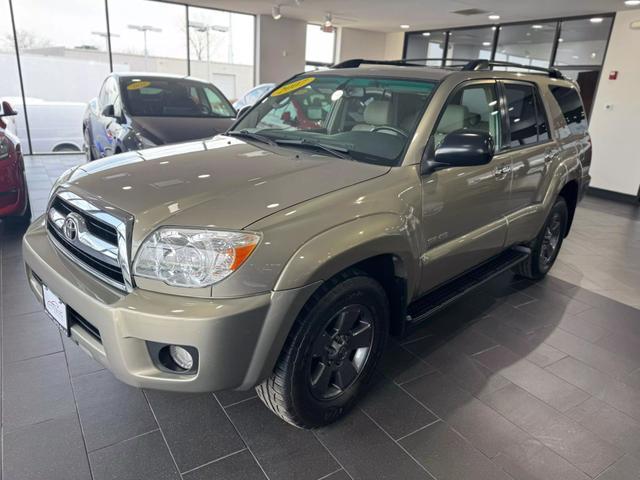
[(70, 227)]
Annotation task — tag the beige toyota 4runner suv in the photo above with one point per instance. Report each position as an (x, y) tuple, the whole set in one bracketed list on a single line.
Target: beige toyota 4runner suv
[(345, 206)]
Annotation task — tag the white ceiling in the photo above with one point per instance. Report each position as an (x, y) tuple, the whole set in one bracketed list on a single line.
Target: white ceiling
[(388, 15)]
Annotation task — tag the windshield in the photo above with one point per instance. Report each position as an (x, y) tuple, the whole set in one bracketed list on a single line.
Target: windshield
[(370, 118), (173, 97)]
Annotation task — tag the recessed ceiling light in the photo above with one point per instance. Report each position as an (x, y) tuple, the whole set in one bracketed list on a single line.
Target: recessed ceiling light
[(275, 12), (632, 3), (596, 20), (494, 16), (426, 34), (405, 26), (536, 27), (594, 54), (486, 44), (575, 57), (561, 40)]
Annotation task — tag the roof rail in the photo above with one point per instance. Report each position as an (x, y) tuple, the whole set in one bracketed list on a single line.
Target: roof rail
[(464, 64), (488, 64)]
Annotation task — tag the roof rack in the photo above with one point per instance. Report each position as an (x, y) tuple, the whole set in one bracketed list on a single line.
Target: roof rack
[(464, 64), (489, 64)]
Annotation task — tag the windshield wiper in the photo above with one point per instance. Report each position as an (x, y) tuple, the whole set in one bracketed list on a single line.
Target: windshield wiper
[(254, 136), (339, 152)]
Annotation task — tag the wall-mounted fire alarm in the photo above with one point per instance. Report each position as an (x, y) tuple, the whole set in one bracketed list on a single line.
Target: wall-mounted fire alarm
[(613, 75)]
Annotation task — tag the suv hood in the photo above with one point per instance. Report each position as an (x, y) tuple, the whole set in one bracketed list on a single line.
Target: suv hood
[(233, 183)]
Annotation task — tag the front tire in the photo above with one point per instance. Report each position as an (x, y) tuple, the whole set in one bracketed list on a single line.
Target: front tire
[(547, 244), (331, 352)]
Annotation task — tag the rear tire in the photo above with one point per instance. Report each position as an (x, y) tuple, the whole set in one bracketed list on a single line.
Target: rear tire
[(331, 352), (546, 246)]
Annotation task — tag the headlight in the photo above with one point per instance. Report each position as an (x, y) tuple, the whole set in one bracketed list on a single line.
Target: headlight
[(185, 257), (4, 150)]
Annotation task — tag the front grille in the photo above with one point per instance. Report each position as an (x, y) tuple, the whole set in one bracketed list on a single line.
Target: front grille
[(77, 319), (91, 232), (115, 273), (100, 229)]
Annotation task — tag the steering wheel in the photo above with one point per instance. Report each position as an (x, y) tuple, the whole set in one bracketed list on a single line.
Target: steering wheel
[(391, 129)]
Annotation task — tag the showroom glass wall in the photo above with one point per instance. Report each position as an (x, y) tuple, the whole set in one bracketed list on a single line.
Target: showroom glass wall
[(576, 46), (67, 48)]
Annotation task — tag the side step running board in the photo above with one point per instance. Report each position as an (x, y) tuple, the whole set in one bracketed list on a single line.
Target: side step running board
[(442, 296)]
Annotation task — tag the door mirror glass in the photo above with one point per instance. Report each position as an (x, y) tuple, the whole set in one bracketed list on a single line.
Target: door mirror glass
[(6, 110), (109, 111), (464, 148)]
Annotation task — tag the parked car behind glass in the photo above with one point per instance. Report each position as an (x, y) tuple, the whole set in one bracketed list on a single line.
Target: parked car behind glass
[(253, 95), (135, 111), (14, 197), (54, 126)]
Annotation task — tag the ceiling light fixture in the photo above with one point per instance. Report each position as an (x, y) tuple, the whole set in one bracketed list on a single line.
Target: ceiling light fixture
[(404, 26), (328, 20), (486, 44), (536, 27), (426, 34), (275, 12), (494, 16), (632, 3), (596, 20)]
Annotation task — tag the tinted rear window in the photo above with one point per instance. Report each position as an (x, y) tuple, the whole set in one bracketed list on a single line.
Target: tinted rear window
[(569, 101), (527, 121)]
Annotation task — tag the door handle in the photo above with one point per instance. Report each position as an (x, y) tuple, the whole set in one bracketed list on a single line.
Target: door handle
[(550, 156), (501, 171)]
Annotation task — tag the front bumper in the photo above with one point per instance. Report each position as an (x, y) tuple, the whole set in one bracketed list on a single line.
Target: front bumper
[(238, 339)]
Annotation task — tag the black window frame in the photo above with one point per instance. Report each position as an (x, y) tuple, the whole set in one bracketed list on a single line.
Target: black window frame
[(429, 150), (505, 114)]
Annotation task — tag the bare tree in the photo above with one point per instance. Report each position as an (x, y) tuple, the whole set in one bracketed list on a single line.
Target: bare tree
[(26, 41)]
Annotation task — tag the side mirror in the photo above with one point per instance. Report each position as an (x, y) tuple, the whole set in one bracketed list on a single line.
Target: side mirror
[(6, 110), (463, 148), (242, 110), (109, 111)]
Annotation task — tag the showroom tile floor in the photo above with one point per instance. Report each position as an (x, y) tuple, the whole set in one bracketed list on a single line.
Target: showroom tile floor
[(520, 380)]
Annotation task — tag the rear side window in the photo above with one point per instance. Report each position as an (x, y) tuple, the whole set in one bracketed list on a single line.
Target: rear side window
[(527, 121), (569, 101)]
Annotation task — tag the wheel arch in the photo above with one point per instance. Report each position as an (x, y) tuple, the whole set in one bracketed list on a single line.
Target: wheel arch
[(570, 192)]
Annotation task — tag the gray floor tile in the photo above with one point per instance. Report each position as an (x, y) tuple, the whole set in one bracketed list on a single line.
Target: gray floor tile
[(627, 468), (547, 387), (617, 394), (80, 363), (366, 452), (283, 452), (384, 394), (446, 455), (400, 365), (195, 427), (28, 336), (230, 397), (591, 354), (339, 475), (531, 460), (145, 457), (487, 430), (36, 390), (110, 411), (239, 466), (608, 423), (21, 303), (564, 436), (621, 343), (52, 449)]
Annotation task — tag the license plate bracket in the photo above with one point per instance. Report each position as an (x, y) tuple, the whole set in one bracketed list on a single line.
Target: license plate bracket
[(56, 309)]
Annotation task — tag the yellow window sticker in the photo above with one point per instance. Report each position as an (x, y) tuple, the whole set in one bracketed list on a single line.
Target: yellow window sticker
[(138, 85), (290, 87)]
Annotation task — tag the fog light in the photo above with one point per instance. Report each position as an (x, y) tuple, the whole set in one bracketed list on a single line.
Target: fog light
[(182, 358)]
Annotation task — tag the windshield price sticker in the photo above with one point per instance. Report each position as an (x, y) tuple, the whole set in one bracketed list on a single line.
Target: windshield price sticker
[(293, 86), (138, 85)]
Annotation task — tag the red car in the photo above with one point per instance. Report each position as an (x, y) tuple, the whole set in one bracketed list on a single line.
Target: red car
[(14, 196)]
